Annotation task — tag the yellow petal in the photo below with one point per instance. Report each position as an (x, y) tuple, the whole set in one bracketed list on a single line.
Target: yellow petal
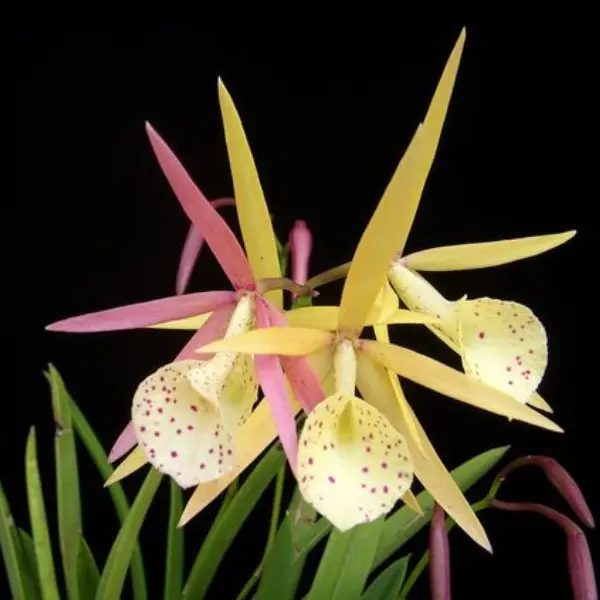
[(408, 317), (180, 432), (538, 402), (486, 254), (411, 501), (389, 227), (449, 382), (382, 390), (503, 345), (386, 303), (328, 276), (287, 341), (353, 466), (382, 334), (134, 461), (189, 323), (420, 296), (322, 362), (252, 438), (253, 214)]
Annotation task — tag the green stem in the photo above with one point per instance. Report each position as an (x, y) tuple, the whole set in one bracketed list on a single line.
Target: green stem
[(229, 494), (424, 560), (275, 512)]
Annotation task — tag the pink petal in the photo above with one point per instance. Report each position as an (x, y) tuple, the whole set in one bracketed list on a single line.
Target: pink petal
[(125, 442), (144, 314), (300, 240), (272, 382), (191, 250), (205, 218), (302, 377), (211, 330)]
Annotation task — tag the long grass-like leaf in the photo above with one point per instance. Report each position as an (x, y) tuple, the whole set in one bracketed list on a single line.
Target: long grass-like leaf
[(67, 484), (175, 546), (119, 558), (39, 524), (346, 562), (100, 459), (88, 573), (228, 524), (28, 566), (389, 582), (10, 549), (404, 523)]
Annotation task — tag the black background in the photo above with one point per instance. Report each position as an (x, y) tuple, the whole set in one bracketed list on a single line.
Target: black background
[(92, 224)]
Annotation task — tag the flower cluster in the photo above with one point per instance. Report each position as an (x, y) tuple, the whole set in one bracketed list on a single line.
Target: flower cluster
[(360, 446)]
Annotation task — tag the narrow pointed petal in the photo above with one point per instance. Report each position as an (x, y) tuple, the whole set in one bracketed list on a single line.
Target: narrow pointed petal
[(449, 382), (191, 250), (273, 384), (227, 380), (204, 217), (439, 557), (125, 442), (411, 501), (503, 345), (287, 341), (538, 402), (382, 334), (144, 314), (333, 274), (382, 390), (303, 380), (386, 303), (421, 297), (180, 432), (487, 254), (353, 466), (213, 329), (136, 460), (379, 244), (408, 317), (192, 323), (300, 240), (252, 439), (253, 214)]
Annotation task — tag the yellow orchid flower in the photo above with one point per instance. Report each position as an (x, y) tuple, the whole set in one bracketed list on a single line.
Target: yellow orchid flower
[(357, 456)]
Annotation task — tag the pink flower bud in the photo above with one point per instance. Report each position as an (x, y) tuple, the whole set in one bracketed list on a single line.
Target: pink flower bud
[(559, 477), (300, 239), (439, 557), (581, 568), (191, 250)]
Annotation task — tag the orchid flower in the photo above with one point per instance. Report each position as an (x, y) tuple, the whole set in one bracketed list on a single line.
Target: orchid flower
[(357, 456), (185, 414)]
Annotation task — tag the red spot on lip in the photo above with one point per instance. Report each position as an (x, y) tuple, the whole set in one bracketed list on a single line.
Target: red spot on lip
[(202, 466), (331, 479), (174, 454), (481, 335), (384, 465), (385, 489), (365, 469), (194, 408), (310, 461)]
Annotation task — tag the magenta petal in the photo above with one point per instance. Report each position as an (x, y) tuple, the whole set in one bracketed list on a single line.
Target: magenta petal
[(302, 377), (125, 442), (205, 218), (212, 330), (144, 314), (191, 250), (272, 381)]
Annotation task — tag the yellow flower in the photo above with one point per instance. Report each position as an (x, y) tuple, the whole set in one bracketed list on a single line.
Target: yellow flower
[(352, 451)]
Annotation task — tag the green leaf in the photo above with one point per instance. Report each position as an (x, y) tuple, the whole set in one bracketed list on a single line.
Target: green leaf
[(228, 523), (389, 582), (39, 524), (87, 571), (276, 581), (10, 549), (346, 562), (100, 459), (28, 564), (119, 558), (175, 546), (404, 523), (67, 484)]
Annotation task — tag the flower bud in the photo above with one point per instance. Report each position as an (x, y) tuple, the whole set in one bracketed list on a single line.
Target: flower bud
[(439, 556), (300, 239)]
